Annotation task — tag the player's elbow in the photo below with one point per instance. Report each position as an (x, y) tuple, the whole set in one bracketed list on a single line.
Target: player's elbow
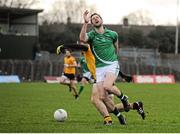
[(75, 65), (82, 38)]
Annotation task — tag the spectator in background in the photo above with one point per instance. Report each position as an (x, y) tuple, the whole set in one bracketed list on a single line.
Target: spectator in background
[(36, 51)]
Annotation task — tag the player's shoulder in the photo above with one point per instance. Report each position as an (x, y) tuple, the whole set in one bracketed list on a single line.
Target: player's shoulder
[(65, 58), (81, 58), (72, 58), (91, 32), (110, 31)]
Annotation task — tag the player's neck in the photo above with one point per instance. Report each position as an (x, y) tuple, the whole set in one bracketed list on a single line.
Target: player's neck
[(100, 30)]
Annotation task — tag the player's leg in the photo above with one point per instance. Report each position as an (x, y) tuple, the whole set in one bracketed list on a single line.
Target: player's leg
[(138, 106), (119, 106), (109, 104), (74, 88), (73, 84), (113, 109), (109, 80), (126, 77), (101, 80), (100, 106), (82, 84), (122, 97), (125, 105), (65, 81), (85, 79)]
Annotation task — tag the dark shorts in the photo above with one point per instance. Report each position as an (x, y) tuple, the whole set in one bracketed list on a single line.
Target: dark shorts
[(70, 76)]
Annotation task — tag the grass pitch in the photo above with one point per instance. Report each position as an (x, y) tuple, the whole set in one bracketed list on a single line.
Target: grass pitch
[(29, 107)]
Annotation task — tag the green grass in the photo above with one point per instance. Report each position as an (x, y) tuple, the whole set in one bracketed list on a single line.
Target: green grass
[(29, 107)]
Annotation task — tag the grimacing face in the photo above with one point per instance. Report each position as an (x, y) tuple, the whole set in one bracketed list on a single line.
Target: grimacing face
[(96, 21)]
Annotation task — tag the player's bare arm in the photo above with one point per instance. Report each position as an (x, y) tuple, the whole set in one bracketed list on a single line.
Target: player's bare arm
[(74, 64), (71, 66), (83, 36)]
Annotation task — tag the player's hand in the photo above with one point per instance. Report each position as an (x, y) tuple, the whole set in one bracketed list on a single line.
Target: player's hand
[(66, 65), (86, 16), (59, 49), (78, 65)]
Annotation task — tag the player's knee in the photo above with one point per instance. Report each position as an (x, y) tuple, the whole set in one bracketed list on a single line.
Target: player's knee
[(102, 97), (107, 87), (72, 85), (61, 81), (93, 99), (83, 82)]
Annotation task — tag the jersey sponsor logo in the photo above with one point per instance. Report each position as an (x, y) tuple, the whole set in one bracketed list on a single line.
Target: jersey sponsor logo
[(103, 39)]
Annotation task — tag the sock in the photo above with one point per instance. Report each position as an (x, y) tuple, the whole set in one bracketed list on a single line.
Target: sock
[(107, 119), (76, 96), (121, 74), (116, 112), (81, 89), (69, 88), (121, 96), (135, 106)]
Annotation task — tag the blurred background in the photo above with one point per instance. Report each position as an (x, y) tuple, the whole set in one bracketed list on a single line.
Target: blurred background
[(30, 31)]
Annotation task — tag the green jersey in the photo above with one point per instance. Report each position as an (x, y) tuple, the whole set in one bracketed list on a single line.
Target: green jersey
[(83, 64), (103, 46)]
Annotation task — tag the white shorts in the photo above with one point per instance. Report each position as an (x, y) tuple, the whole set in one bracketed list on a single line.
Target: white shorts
[(102, 71), (87, 75), (63, 76)]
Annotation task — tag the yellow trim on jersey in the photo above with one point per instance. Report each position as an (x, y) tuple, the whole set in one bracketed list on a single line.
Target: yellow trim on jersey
[(90, 60)]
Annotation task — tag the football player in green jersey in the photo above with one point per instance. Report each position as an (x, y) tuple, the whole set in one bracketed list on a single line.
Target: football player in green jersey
[(86, 75), (104, 44)]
